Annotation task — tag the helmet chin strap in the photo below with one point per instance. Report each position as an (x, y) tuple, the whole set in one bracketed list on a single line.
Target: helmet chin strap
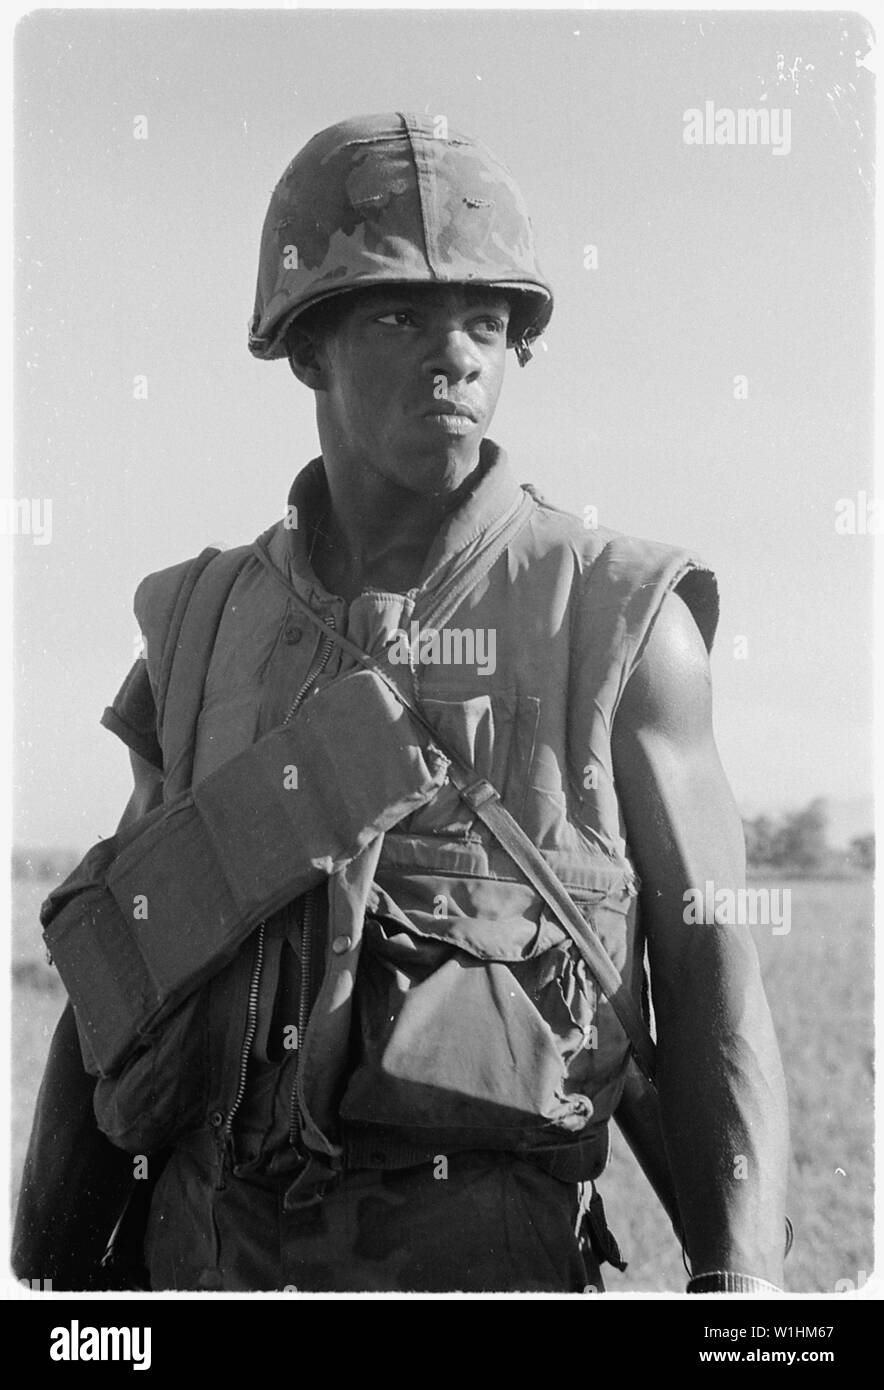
[(522, 346)]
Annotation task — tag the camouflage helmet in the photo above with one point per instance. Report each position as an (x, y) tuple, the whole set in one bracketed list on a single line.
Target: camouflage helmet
[(393, 198)]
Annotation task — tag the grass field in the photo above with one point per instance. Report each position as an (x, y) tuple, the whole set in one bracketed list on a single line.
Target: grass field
[(819, 983)]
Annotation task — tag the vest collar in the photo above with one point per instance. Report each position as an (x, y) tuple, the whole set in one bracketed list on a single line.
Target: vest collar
[(495, 492)]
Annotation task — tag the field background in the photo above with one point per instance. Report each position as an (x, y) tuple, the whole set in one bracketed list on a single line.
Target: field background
[(819, 983)]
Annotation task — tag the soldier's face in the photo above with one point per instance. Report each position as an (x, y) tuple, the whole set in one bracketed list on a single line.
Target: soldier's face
[(411, 381)]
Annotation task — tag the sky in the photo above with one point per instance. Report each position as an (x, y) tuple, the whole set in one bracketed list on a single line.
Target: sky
[(705, 381)]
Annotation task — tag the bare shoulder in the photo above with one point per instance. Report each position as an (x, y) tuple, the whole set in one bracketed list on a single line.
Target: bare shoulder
[(670, 689)]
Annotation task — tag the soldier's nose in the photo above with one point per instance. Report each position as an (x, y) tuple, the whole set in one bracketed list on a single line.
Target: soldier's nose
[(455, 357)]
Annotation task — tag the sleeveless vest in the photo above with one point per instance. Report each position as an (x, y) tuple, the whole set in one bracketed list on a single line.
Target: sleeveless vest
[(450, 1012)]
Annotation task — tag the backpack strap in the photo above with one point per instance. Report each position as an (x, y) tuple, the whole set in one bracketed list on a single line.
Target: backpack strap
[(186, 587), (187, 653)]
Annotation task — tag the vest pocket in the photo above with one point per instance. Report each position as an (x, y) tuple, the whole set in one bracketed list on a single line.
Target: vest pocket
[(160, 1093), (495, 735), (468, 1029), (477, 1022)]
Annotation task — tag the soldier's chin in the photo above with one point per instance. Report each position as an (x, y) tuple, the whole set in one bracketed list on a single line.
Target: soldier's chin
[(440, 467), (449, 447)]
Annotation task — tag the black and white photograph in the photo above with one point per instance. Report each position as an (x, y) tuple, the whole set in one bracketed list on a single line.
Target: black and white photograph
[(442, 526)]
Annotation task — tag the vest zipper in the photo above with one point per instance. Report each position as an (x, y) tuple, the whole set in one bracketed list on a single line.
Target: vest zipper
[(311, 676), (308, 918), (251, 1029), (255, 981)]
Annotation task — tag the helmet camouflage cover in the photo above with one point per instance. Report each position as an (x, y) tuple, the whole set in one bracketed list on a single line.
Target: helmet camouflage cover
[(393, 198)]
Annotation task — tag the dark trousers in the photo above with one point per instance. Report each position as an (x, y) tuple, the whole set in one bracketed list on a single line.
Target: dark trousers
[(494, 1223)]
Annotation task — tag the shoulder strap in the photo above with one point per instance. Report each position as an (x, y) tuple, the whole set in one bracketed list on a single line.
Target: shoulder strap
[(187, 652), (170, 646), (485, 802)]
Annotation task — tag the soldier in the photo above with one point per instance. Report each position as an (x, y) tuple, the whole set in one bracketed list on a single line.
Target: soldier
[(453, 776)]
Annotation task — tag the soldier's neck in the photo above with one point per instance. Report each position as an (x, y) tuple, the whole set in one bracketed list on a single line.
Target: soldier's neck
[(376, 535)]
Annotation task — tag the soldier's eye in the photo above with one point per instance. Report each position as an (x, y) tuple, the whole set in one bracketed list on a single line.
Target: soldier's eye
[(398, 318)]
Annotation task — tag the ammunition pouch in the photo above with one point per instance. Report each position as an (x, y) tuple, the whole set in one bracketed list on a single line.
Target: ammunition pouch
[(146, 918)]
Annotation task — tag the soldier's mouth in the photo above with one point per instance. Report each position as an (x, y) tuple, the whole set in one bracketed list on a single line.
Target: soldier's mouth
[(448, 422), (447, 406)]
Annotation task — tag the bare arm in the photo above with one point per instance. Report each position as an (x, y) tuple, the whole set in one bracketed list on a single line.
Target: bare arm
[(147, 793), (721, 1085)]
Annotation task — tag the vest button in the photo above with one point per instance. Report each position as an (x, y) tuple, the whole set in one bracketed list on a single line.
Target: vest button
[(216, 1119), (341, 944), (292, 633)]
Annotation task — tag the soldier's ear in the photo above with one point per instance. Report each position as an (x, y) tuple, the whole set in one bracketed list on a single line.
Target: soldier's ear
[(308, 358)]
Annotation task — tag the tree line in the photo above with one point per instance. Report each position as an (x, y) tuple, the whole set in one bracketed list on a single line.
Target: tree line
[(798, 843)]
